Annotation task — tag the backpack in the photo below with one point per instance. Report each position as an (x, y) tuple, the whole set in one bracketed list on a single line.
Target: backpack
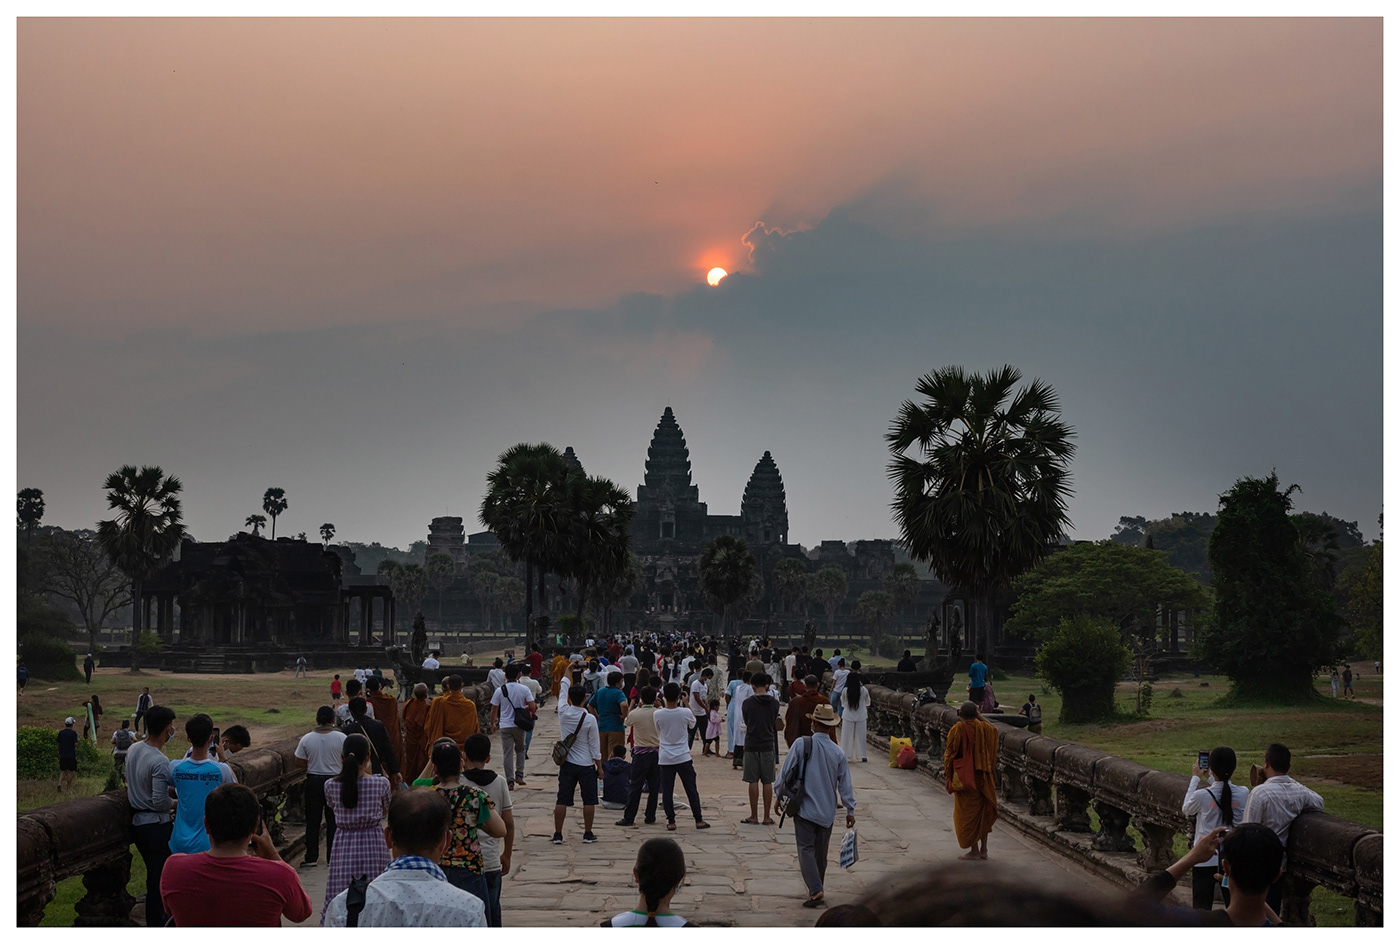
[(1034, 715), (123, 739), (523, 719), (788, 797), (560, 754)]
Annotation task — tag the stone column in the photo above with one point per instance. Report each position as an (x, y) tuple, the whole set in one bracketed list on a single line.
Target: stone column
[(107, 903)]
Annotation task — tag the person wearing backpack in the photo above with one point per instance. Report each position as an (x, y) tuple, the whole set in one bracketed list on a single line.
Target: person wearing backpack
[(512, 708), (122, 739), (1032, 712), (819, 765)]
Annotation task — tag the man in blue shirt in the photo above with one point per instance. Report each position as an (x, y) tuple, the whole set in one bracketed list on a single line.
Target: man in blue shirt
[(977, 677), (194, 778), (824, 775), (610, 704)]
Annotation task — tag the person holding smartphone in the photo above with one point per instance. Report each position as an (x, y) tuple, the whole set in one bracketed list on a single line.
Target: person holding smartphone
[(1219, 804)]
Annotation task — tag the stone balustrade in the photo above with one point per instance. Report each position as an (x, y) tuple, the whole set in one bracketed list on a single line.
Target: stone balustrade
[(1056, 782)]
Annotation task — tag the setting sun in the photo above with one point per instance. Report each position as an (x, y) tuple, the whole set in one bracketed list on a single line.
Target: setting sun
[(714, 275)]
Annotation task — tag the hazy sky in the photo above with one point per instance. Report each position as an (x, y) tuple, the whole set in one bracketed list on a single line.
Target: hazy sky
[(358, 259)]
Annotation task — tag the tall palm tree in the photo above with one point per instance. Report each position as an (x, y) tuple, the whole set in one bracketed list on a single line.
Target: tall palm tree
[(874, 609), (790, 581), (598, 542), (982, 497), (409, 583), (617, 589), (274, 503), (441, 570), (902, 584), (256, 522), (727, 572), (145, 532), (829, 588), (31, 511), (327, 532)]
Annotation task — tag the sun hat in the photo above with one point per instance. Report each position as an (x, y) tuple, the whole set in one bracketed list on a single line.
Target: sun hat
[(825, 714)]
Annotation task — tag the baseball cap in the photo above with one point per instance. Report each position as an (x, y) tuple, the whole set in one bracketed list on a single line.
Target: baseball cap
[(68, 720)]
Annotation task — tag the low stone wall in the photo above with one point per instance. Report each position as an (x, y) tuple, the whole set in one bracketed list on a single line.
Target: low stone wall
[(1046, 787)]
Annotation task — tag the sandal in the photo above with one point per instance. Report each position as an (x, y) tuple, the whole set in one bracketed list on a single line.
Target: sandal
[(767, 822), (749, 822)]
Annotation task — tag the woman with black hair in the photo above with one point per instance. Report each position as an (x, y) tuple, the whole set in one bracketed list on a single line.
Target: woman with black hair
[(359, 798), (659, 872), (855, 699), (1220, 804), (462, 861)]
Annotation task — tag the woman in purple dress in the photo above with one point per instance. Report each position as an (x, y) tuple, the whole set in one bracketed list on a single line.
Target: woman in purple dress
[(359, 799)]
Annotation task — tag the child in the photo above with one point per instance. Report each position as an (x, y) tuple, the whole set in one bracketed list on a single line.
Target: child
[(659, 872), (617, 779), (714, 728), (335, 689)]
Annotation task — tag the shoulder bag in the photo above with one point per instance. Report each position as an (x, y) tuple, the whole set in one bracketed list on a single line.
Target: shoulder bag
[(523, 719), (962, 776), (560, 754)]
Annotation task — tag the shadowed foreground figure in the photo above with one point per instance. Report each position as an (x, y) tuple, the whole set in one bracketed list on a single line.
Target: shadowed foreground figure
[(974, 810)]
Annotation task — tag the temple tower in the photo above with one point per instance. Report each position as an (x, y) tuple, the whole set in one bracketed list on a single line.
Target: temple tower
[(670, 514), (764, 508)]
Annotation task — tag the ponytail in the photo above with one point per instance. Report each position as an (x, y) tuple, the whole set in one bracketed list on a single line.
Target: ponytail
[(1222, 764), (353, 754), (853, 686), (660, 871)]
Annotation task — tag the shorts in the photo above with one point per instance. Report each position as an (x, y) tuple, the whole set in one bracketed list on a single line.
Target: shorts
[(68, 763), (975, 695), (335, 697), (586, 777), (759, 766)]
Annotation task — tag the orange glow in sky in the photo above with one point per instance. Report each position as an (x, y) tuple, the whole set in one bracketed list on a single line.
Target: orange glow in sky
[(715, 275)]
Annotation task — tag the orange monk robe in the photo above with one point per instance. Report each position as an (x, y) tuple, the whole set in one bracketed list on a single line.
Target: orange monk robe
[(386, 712), (452, 715), (974, 812), (415, 715), (557, 668)]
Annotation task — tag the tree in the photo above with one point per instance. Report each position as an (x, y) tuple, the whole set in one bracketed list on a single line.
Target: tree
[(145, 532), (327, 532), (597, 543), (75, 568), (256, 522), (507, 595), (1083, 658), (409, 583), (875, 609), (902, 584), (791, 583), (983, 499), (727, 571), (31, 511), (274, 503), (1274, 624), (1364, 609), (829, 588), (617, 589), (441, 571)]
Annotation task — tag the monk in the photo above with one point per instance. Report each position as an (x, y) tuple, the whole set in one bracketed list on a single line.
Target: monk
[(386, 712), (974, 811), (801, 703), (451, 715), (557, 668), (415, 715)]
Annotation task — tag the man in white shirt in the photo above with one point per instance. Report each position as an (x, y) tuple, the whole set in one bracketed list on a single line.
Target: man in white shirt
[(431, 662), (628, 662), (497, 675), (582, 768), (319, 751), (507, 703), (699, 704), (413, 892), (673, 726), (1276, 803), (789, 670)]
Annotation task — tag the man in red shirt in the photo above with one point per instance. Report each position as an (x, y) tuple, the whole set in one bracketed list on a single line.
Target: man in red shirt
[(536, 660), (229, 886)]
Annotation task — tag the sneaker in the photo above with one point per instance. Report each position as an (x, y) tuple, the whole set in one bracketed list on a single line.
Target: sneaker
[(308, 864), (589, 837), (557, 839), (520, 783)]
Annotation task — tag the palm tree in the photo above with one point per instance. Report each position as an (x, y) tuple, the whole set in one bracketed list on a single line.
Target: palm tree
[(441, 571), (598, 543), (31, 511), (790, 581), (507, 595), (727, 571), (274, 503), (829, 588), (902, 584), (146, 531), (618, 588), (256, 522), (409, 583), (983, 497), (327, 532), (874, 609)]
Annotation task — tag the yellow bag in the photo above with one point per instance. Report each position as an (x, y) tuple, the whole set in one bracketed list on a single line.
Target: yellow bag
[(895, 745)]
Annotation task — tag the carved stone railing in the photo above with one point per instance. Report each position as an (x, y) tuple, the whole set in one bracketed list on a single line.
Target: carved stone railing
[(1051, 784), (91, 837)]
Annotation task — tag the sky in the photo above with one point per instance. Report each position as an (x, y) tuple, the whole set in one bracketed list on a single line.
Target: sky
[(358, 259)]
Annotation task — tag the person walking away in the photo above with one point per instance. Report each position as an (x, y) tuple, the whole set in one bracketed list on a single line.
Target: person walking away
[(495, 851), (451, 714), (194, 778), (761, 748), (646, 744), (1347, 690), (88, 666), (673, 724), (320, 752), (537, 695), (509, 703), (699, 703), (617, 779), (122, 739), (94, 707), (611, 706), (67, 755), (413, 891), (838, 686), (462, 861), (659, 873), (1033, 716), (907, 663), (353, 689), (977, 680), (383, 759), (23, 676), (738, 738), (535, 660), (798, 723), (714, 729), (335, 690), (143, 705), (359, 799), (856, 695), (1336, 682), (1277, 802), (1219, 804), (825, 776), (975, 807), (583, 767), (384, 708), (148, 793), (415, 716), (497, 675), (254, 887)]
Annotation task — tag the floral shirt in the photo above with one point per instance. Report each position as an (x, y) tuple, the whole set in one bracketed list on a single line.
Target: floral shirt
[(470, 808)]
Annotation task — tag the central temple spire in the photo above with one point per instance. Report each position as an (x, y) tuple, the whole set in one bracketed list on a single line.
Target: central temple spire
[(668, 460)]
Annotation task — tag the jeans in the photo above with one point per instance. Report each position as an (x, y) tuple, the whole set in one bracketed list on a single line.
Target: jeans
[(812, 844), (1203, 888), (513, 747), (468, 881), (315, 795), (493, 899), (153, 842), (686, 772), (645, 775)]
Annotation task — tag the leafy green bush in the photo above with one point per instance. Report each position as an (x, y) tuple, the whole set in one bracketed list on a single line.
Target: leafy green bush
[(1083, 661), (49, 658), (149, 644), (36, 755)]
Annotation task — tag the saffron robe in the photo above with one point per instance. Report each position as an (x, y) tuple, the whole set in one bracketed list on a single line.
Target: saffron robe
[(974, 812), (415, 715), (452, 715)]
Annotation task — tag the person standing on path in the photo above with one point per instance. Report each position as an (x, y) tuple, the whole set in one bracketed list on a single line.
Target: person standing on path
[(673, 726), (451, 714), (415, 716), (741, 691), (335, 689), (611, 705), (977, 681), (143, 705), (856, 697), (148, 793), (646, 744), (1347, 690), (699, 703), (495, 852), (384, 708), (88, 666), (583, 767), (320, 752), (1220, 804), (974, 808), (1336, 682), (535, 660), (507, 703), (825, 776), (67, 755), (1277, 802), (463, 861), (497, 675), (798, 723), (359, 798), (761, 749), (383, 759)]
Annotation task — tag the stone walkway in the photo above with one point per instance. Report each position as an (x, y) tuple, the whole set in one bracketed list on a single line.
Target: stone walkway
[(739, 876)]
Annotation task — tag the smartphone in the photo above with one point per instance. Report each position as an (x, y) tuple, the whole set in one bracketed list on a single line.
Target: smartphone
[(215, 738), (1203, 760)]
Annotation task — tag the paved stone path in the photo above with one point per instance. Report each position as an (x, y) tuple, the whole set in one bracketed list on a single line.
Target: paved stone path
[(742, 876)]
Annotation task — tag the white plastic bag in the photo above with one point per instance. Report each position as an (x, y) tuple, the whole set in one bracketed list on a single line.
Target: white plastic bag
[(850, 855)]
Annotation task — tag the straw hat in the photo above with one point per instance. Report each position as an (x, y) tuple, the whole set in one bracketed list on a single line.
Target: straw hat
[(825, 714)]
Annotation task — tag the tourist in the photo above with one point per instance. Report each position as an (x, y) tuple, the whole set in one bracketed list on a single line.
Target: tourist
[(760, 747), (646, 744), (88, 666), (67, 755), (415, 716), (537, 695), (673, 724), (360, 676), (431, 662), (384, 708), (536, 661), (643, 680), (1220, 804), (94, 717), (1277, 802), (148, 794), (1336, 682), (593, 678), (451, 714), (234, 739), (226, 885), (353, 690), (412, 891), (301, 667), (699, 703), (789, 673), (23, 676), (989, 698), (659, 873), (122, 739), (907, 663), (974, 806), (383, 758), (583, 767), (558, 668), (838, 687), (495, 851), (825, 775), (798, 723), (739, 690), (977, 680), (194, 778), (856, 696), (320, 752), (1251, 859), (143, 705), (497, 675), (462, 861), (335, 689), (1347, 690), (617, 779), (610, 705), (512, 709), (359, 798), (629, 663), (714, 729)]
